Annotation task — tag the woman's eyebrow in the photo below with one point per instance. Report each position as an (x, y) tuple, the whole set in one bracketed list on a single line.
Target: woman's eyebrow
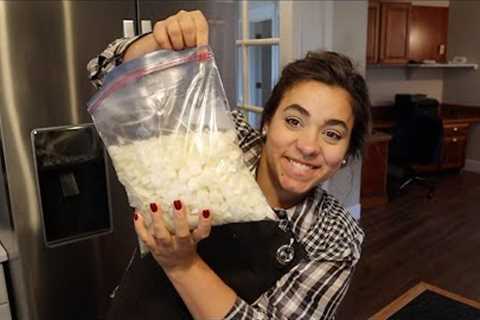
[(298, 108), (336, 122), (329, 122)]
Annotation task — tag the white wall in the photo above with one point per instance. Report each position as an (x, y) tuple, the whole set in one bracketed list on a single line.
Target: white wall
[(384, 83), (349, 27), (304, 25), (350, 30)]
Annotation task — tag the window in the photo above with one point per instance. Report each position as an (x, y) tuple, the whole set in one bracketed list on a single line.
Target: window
[(257, 56)]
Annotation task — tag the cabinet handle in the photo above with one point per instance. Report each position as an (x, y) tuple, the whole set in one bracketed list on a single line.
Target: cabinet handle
[(455, 129), (441, 49), (454, 140)]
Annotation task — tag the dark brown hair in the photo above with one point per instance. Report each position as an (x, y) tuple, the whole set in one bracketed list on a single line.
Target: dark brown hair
[(332, 69)]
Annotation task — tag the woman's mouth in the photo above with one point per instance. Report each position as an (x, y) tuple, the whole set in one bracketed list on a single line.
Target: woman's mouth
[(299, 169)]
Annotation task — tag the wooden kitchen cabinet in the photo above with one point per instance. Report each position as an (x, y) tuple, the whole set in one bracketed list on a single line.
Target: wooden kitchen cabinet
[(387, 32), (454, 145), (373, 31), (394, 32), (399, 32), (428, 33)]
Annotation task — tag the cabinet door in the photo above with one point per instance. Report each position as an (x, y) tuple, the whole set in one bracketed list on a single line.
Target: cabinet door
[(428, 33), (454, 152), (373, 191), (373, 31), (394, 32)]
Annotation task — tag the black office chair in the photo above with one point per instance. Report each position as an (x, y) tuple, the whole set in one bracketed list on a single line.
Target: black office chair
[(416, 140)]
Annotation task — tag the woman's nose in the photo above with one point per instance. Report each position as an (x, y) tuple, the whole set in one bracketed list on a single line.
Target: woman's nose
[(308, 144)]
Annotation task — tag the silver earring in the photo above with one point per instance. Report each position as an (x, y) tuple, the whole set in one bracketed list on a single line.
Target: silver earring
[(264, 133), (344, 162)]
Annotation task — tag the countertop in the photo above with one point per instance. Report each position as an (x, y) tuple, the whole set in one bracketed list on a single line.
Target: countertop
[(383, 117), (378, 136), (452, 113)]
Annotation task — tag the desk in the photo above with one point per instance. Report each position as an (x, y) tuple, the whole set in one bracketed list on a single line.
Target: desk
[(456, 121), (383, 116), (373, 191)]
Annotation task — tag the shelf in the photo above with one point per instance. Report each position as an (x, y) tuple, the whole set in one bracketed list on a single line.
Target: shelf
[(444, 65), (473, 66)]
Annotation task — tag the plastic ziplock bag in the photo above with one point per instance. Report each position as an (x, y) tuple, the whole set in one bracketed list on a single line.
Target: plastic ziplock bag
[(165, 122)]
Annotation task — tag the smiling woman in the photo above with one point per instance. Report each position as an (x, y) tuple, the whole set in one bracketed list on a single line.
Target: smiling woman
[(307, 139), (300, 266), (337, 72)]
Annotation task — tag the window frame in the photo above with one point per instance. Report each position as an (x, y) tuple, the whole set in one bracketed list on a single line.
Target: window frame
[(245, 42)]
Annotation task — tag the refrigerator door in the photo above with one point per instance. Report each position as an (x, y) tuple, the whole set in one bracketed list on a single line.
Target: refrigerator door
[(221, 16), (45, 46)]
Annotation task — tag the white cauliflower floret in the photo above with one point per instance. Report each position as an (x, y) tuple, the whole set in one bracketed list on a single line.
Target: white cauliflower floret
[(203, 169)]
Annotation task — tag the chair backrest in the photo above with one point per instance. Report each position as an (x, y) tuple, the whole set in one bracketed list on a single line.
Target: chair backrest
[(405, 105), (427, 139), (417, 138)]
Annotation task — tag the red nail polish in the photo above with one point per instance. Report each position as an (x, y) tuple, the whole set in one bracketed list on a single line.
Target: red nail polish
[(177, 204), (153, 207), (135, 216), (206, 213), (202, 56)]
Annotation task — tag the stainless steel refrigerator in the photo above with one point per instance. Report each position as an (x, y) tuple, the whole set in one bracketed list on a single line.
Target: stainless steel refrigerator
[(64, 218)]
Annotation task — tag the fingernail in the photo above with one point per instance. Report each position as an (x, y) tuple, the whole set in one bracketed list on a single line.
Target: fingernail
[(135, 216), (206, 213), (202, 55), (153, 207), (177, 204)]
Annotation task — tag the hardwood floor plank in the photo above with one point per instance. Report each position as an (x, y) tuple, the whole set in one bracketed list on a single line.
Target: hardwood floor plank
[(414, 239)]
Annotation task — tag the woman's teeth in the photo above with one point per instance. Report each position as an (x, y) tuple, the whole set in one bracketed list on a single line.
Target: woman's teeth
[(300, 165)]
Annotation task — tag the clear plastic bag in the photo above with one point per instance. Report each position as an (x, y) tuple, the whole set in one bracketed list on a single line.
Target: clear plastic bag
[(164, 119)]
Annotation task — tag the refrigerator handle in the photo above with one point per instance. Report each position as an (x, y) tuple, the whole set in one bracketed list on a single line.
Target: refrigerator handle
[(146, 26), (128, 28)]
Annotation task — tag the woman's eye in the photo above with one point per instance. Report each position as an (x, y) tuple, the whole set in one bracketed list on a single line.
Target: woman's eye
[(333, 135), (293, 122)]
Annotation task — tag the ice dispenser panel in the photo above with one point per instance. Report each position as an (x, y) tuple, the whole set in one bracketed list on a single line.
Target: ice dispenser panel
[(72, 183)]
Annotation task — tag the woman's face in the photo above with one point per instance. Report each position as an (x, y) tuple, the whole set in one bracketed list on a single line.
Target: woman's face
[(308, 137)]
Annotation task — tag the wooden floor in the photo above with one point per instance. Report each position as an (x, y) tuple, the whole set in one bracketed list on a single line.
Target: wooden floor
[(414, 239)]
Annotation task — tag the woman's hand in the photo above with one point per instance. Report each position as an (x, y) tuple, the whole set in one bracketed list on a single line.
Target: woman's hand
[(186, 29), (188, 273), (178, 252)]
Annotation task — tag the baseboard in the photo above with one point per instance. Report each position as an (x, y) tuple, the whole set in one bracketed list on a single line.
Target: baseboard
[(355, 211), (472, 165)]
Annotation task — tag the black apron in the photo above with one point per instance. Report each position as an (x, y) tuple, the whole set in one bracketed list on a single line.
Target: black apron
[(245, 256)]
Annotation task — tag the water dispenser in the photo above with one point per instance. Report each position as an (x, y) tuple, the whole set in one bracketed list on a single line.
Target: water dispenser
[(72, 183)]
